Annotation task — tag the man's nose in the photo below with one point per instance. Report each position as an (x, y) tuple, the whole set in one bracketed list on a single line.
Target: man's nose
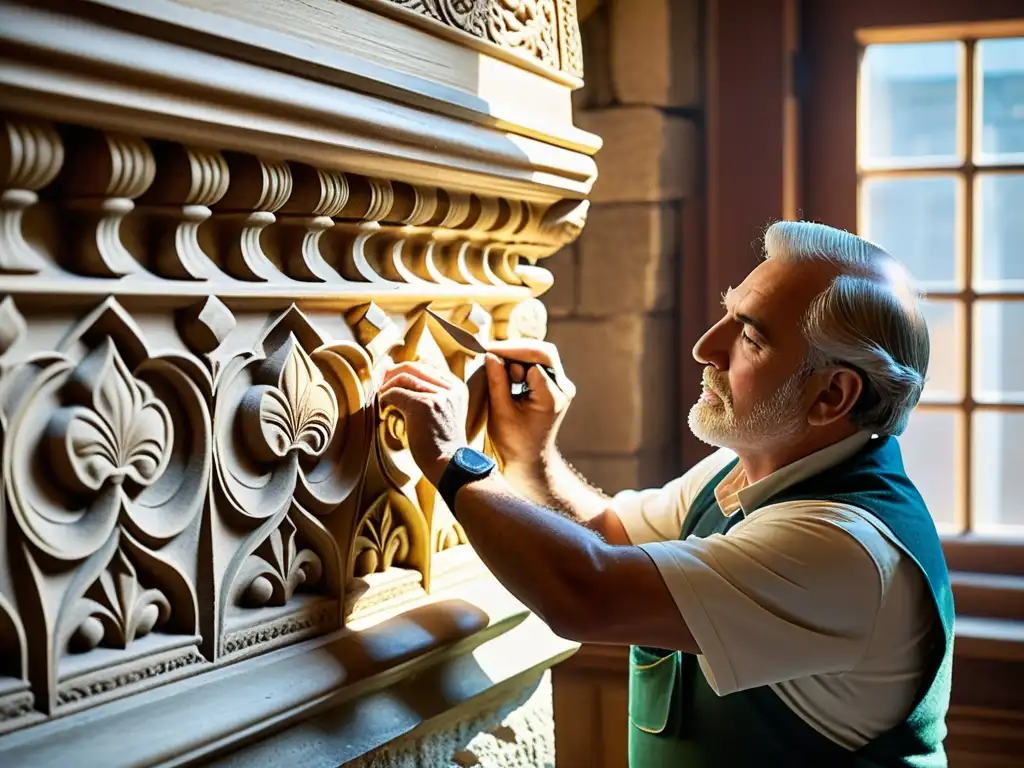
[(713, 348)]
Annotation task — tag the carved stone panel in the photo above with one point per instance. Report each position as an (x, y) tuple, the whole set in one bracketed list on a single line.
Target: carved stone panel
[(293, 425), (105, 465)]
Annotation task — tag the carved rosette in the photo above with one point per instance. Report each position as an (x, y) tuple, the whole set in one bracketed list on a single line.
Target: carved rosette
[(125, 435), (292, 436)]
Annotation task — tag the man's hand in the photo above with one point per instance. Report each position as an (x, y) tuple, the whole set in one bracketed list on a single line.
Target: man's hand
[(435, 404), (523, 429)]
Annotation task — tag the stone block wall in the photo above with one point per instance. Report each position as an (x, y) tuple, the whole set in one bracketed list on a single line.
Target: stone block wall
[(615, 309)]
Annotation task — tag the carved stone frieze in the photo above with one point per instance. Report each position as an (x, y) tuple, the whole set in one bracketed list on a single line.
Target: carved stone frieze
[(543, 30), (189, 222)]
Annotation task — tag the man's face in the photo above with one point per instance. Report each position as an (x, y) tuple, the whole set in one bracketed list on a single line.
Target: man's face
[(754, 377)]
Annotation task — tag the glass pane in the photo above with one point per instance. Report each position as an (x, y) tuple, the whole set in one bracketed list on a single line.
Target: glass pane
[(1000, 68), (908, 103), (945, 365), (915, 220), (929, 454), (999, 231), (998, 489), (999, 351)]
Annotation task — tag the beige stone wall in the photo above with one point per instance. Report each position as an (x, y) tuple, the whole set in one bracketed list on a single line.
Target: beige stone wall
[(615, 306)]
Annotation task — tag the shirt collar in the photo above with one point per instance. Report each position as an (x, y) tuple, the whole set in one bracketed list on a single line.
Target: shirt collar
[(733, 492)]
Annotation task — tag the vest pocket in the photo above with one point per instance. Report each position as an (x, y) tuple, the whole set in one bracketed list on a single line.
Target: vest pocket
[(652, 680)]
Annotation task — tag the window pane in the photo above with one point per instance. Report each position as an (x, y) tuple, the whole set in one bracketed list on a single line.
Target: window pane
[(998, 489), (945, 365), (999, 231), (915, 220), (929, 454), (908, 104), (999, 351), (1000, 68)]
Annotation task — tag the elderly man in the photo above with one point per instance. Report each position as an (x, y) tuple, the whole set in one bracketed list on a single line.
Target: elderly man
[(786, 600)]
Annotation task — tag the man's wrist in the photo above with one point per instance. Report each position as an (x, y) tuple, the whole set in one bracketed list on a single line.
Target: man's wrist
[(435, 471)]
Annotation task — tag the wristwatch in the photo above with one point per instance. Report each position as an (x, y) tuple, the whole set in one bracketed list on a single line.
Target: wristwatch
[(466, 466)]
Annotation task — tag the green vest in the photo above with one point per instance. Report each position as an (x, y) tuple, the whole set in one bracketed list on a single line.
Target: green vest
[(676, 719)]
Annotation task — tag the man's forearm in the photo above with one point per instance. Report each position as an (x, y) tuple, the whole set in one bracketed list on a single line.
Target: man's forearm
[(550, 481), (541, 557)]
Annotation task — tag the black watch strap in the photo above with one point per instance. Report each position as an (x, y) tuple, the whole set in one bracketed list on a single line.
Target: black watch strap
[(466, 466)]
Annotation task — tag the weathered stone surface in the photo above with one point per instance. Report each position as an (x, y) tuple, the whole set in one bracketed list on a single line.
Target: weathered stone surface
[(518, 732), (560, 299), (655, 52), (647, 155), (628, 257), (625, 376)]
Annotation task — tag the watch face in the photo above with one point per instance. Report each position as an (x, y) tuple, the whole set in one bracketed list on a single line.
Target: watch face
[(473, 461)]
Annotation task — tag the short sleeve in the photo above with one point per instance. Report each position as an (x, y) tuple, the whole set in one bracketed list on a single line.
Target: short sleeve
[(657, 514), (788, 593)]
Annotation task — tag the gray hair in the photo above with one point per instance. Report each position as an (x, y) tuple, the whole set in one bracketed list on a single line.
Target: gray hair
[(868, 319)]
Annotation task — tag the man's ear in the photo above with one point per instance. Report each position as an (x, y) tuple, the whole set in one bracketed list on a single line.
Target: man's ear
[(840, 388)]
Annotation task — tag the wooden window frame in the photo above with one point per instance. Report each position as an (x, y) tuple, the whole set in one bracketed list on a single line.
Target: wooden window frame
[(967, 296)]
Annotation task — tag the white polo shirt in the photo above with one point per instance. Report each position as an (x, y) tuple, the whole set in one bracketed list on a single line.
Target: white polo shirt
[(815, 599)]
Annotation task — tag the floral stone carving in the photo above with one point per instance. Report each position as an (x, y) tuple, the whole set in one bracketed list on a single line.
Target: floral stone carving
[(381, 541), (124, 435), (292, 438), (120, 609)]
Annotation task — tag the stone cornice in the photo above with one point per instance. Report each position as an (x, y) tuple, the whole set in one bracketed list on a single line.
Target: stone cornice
[(467, 641), (89, 73)]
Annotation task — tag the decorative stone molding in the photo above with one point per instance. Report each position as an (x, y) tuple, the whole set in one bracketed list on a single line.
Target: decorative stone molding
[(544, 30), (198, 289)]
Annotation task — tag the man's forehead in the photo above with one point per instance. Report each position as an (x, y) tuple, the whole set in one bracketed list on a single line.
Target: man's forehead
[(782, 288)]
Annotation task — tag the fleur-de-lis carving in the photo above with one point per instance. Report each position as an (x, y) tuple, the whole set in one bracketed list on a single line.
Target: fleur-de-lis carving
[(380, 541), (119, 609), (295, 414), (117, 429), (284, 568)]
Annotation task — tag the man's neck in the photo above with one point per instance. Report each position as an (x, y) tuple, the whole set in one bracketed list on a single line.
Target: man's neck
[(759, 463)]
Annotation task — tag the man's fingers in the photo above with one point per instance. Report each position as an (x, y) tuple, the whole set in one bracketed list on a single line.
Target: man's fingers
[(403, 399), (542, 387), (527, 351), (517, 372), (499, 387), (411, 382), (419, 370)]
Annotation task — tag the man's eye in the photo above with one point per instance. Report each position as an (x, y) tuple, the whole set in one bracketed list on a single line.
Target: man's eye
[(750, 341)]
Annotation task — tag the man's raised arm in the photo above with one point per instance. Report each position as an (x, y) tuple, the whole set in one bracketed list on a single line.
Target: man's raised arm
[(523, 430)]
